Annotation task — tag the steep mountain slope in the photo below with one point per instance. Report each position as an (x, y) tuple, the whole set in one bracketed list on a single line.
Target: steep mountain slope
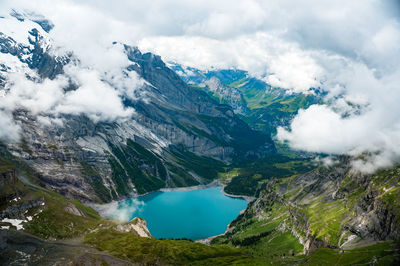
[(245, 177), (40, 227), (327, 216), (163, 144), (335, 208)]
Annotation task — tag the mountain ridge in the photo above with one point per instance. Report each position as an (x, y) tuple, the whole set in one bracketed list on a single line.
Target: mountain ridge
[(330, 207), (170, 114)]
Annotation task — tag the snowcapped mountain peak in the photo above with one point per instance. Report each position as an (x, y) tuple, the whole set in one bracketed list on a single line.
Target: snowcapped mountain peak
[(20, 29), (44, 23)]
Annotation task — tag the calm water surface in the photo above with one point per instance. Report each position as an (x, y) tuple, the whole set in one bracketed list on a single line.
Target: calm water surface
[(191, 214)]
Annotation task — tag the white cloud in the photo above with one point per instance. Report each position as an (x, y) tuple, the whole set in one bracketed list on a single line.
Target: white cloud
[(354, 125), (95, 98), (220, 22), (98, 71), (120, 210), (9, 131), (319, 129), (36, 97), (348, 48), (278, 62)]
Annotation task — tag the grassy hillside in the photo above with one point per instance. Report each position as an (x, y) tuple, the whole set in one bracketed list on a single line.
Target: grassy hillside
[(270, 107), (149, 251), (52, 216), (386, 253), (327, 216), (244, 177)]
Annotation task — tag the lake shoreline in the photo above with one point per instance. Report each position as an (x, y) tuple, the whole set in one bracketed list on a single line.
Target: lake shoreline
[(102, 208), (212, 184), (207, 241), (246, 198), (110, 209), (215, 183)]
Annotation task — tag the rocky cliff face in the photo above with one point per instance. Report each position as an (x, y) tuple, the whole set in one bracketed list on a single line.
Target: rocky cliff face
[(334, 207), (218, 84), (227, 95), (137, 226), (93, 160), (8, 179), (8, 176)]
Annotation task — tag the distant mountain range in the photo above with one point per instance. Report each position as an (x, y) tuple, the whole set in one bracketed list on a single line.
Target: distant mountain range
[(263, 107)]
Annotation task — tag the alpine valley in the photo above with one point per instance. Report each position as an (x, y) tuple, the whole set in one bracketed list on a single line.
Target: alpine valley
[(178, 127)]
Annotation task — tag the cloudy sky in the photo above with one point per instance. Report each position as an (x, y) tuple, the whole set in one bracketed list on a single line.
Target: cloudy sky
[(350, 49)]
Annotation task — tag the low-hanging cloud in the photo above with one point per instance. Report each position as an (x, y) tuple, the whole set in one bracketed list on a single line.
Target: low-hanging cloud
[(9, 131), (100, 76), (94, 97), (120, 210), (278, 62), (364, 120)]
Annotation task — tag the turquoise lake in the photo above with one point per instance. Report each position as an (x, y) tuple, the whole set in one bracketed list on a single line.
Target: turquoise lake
[(193, 214)]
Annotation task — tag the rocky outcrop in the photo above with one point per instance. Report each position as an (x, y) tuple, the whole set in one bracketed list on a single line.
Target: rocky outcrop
[(368, 214), (136, 226), (374, 218), (72, 209), (228, 95), (8, 179), (334, 207), (8, 176), (18, 211)]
